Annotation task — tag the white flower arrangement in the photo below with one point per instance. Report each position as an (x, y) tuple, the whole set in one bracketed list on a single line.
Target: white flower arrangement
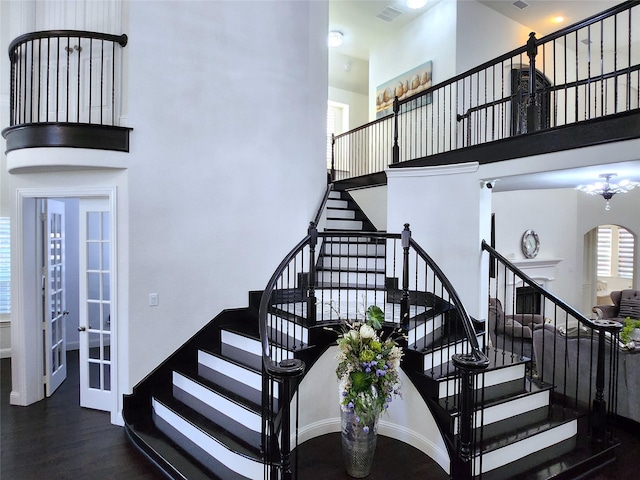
[(368, 367)]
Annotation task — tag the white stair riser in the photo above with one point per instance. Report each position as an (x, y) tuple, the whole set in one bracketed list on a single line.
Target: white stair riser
[(347, 278), (289, 328), (236, 462), (354, 249), (353, 263), (509, 409), (249, 345), (344, 224), (341, 213), (443, 355), (425, 329), (231, 370), (491, 378), (337, 203), (228, 408), (253, 346), (515, 451)]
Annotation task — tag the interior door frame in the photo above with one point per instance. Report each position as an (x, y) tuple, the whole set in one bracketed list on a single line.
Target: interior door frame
[(26, 339)]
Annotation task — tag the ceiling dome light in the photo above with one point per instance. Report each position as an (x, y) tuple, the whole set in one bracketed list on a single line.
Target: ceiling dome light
[(416, 4), (335, 38)]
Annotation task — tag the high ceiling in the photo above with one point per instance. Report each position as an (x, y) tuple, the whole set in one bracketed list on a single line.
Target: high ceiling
[(358, 20)]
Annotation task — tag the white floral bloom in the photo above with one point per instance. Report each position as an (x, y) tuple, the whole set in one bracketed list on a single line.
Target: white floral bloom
[(351, 335), (367, 332), (394, 356)]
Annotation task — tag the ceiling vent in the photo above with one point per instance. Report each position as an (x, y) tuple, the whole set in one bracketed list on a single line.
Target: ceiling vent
[(520, 4), (389, 14)]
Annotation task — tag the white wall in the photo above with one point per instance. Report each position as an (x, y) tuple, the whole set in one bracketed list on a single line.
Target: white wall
[(552, 214), (432, 36), (449, 216), (373, 202), (358, 105), (484, 34), (227, 160), (226, 167)]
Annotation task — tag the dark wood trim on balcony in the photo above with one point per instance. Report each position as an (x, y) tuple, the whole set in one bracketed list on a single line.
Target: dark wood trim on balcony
[(613, 128), (75, 135)]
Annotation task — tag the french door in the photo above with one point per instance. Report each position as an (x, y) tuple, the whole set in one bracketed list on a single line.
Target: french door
[(95, 304), (53, 294)]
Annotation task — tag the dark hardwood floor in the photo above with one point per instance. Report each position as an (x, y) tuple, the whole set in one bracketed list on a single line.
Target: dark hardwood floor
[(56, 439)]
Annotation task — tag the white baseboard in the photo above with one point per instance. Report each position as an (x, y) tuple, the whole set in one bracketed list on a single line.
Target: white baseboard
[(5, 352), (385, 428)]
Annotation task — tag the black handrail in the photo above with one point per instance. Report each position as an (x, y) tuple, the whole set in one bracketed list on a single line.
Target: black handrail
[(121, 40), (323, 203), (291, 289), (572, 379), (49, 105), (499, 99), (594, 325)]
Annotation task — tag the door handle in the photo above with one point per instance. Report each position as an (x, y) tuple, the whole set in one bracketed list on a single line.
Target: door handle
[(81, 329)]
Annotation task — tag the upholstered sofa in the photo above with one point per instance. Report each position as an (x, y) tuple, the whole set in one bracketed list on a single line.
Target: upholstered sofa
[(512, 333), (578, 372), (626, 303)]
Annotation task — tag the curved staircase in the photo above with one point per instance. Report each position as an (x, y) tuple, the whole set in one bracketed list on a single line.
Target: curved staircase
[(202, 414)]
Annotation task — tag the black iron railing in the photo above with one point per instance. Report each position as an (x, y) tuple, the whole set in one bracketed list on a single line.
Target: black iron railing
[(577, 355), (332, 277), (65, 84), (587, 71)]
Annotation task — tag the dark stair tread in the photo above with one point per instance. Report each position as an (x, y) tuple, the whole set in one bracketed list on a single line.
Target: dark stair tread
[(557, 416), (350, 238), (241, 357), (216, 352), (527, 389), (350, 269), (446, 371), (351, 286), (246, 329), (170, 457), (583, 459), (209, 427), (236, 397), (424, 345)]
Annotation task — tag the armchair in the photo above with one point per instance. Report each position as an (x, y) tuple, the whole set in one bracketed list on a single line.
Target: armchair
[(626, 303), (513, 333)]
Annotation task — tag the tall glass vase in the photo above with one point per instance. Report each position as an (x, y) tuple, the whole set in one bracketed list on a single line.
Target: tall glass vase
[(358, 444)]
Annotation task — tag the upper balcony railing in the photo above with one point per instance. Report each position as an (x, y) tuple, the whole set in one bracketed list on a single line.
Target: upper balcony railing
[(584, 72), (66, 90)]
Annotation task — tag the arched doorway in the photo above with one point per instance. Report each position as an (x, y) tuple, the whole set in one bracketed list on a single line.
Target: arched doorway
[(609, 263)]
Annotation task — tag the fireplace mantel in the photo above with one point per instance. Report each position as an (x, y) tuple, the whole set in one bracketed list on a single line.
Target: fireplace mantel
[(542, 270)]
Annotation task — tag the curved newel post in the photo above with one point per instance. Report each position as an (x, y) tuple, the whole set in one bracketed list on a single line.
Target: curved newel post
[(405, 240), (311, 292), (293, 371), (469, 365), (395, 154), (599, 424), (532, 102)]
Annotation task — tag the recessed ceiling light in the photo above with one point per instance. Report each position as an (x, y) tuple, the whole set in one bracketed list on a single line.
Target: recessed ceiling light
[(558, 19), (335, 38), (416, 4)]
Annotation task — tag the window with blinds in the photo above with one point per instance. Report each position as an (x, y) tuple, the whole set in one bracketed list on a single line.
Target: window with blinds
[(5, 266), (625, 253), (605, 234), (615, 252)]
